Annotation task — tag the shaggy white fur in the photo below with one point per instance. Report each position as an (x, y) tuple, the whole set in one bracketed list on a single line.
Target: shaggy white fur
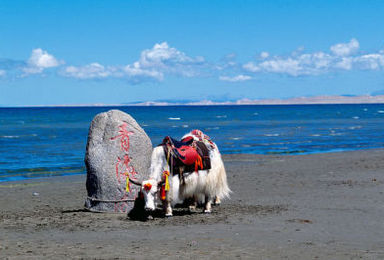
[(204, 185)]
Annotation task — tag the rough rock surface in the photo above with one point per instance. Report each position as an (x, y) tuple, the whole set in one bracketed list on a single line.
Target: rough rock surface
[(117, 147)]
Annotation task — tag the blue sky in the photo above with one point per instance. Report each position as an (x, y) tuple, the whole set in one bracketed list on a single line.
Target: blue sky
[(85, 52)]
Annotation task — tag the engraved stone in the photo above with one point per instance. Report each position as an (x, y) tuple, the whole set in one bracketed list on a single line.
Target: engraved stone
[(117, 149)]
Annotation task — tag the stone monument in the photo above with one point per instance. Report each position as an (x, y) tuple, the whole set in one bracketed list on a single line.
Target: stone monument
[(118, 150)]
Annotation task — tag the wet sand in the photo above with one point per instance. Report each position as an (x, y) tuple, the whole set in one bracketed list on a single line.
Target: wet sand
[(321, 206)]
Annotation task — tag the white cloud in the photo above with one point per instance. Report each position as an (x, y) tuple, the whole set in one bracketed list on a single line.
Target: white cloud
[(40, 60), (161, 55), (345, 63), (345, 49), (286, 66), (153, 64), (264, 55), (235, 78), (372, 61), (90, 71), (252, 67), (304, 64), (132, 73), (228, 62), (135, 71), (342, 57), (162, 58)]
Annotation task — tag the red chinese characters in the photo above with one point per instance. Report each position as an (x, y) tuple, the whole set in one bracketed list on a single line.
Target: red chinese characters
[(124, 137), (124, 170)]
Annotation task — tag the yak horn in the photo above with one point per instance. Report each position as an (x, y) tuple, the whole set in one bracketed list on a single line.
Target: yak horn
[(135, 182)]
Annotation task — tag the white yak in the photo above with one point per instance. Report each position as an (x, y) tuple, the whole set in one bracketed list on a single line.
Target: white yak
[(201, 185)]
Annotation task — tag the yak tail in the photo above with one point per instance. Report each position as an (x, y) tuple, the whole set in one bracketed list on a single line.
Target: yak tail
[(217, 178)]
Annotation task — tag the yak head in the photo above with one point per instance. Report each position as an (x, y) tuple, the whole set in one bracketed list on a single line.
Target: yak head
[(149, 190)]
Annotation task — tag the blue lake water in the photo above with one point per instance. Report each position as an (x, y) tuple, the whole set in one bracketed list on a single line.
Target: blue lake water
[(41, 142)]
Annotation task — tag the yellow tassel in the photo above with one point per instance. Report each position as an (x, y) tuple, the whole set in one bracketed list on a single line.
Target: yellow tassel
[(127, 184), (166, 176)]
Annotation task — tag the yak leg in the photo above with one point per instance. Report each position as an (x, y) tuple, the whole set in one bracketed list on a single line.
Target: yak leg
[(217, 201), (193, 205), (167, 208), (208, 205)]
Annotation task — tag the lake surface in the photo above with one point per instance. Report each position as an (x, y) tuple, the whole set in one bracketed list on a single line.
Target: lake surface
[(41, 142)]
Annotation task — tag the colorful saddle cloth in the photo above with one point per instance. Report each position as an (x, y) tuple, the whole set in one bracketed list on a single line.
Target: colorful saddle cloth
[(186, 155)]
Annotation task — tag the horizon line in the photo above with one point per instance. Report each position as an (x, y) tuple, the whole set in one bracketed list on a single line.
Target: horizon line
[(314, 100)]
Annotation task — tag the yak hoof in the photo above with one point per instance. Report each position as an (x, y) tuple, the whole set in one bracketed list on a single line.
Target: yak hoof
[(169, 215), (207, 211)]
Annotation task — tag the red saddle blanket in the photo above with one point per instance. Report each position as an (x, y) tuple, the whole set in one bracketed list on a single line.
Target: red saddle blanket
[(186, 155)]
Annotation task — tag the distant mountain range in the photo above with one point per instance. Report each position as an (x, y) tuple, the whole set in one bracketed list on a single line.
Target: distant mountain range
[(343, 99)]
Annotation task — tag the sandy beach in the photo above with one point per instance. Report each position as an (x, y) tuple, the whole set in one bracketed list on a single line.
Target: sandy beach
[(319, 206)]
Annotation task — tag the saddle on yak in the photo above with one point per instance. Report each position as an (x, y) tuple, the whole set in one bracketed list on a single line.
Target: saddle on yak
[(186, 155)]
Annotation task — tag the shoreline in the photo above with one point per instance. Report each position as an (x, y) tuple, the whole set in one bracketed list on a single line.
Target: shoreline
[(224, 155), (315, 206)]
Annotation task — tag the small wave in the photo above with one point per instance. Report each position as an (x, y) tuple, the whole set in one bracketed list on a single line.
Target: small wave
[(355, 127), (16, 136), (235, 138), (223, 116), (271, 134), (185, 126), (380, 111), (365, 109), (336, 134), (255, 114), (315, 135), (174, 126), (9, 136), (355, 117), (174, 118)]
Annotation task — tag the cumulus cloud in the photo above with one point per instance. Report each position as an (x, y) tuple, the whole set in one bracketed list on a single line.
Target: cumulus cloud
[(152, 65), (372, 61), (136, 73), (235, 78), (40, 60), (165, 59), (342, 57), (162, 60), (345, 49)]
